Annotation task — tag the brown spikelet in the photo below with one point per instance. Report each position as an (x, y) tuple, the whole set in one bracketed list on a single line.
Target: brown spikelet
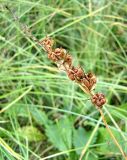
[(64, 59), (98, 99), (47, 44)]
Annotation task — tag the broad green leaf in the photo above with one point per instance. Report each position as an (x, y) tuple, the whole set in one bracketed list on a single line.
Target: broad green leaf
[(39, 116), (80, 138), (108, 146), (60, 134)]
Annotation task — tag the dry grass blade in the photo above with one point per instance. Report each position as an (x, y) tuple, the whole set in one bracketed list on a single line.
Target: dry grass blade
[(111, 134)]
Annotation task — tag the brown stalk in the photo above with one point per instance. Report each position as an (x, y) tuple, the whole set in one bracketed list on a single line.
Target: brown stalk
[(111, 134), (63, 60)]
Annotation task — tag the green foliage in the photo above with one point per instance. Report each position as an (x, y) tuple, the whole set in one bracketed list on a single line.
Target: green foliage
[(31, 133), (91, 156), (46, 115), (39, 116), (81, 137), (109, 147), (60, 134)]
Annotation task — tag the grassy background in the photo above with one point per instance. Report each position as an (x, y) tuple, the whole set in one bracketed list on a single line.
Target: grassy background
[(44, 115)]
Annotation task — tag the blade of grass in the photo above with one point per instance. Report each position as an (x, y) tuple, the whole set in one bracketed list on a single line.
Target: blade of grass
[(9, 150), (16, 100), (90, 139)]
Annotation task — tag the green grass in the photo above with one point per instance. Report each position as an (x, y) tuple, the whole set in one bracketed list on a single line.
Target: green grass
[(43, 114)]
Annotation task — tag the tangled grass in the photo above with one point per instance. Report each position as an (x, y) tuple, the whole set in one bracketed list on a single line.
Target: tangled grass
[(43, 114)]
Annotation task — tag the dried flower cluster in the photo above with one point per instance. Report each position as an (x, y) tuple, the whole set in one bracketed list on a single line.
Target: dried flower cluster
[(64, 61)]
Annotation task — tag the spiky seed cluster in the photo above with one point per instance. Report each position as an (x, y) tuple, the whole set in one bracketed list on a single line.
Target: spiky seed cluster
[(75, 73), (98, 99), (47, 44), (64, 59), (89, 81)]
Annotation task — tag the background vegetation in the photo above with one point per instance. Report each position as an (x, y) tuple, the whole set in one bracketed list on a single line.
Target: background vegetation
[(43, 114)]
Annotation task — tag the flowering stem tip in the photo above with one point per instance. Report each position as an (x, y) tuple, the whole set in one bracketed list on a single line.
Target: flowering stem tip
[(64, 61)]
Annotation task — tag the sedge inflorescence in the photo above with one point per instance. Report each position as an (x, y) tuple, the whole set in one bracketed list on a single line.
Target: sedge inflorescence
[(64, 61)]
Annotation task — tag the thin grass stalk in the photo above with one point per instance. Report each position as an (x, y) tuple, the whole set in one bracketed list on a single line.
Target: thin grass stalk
[(111, 134), (90, 139)]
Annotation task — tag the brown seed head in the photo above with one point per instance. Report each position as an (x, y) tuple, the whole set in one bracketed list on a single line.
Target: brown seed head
[(47, 44), (98, 99), (64, 61), (76, 73), (68, 60), (52, 57), (91, 79), (60, 52), (71, 75), (86, 83), (79, 73)]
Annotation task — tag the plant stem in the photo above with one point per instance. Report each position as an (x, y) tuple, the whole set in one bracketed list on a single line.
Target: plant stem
[(111, 134)]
